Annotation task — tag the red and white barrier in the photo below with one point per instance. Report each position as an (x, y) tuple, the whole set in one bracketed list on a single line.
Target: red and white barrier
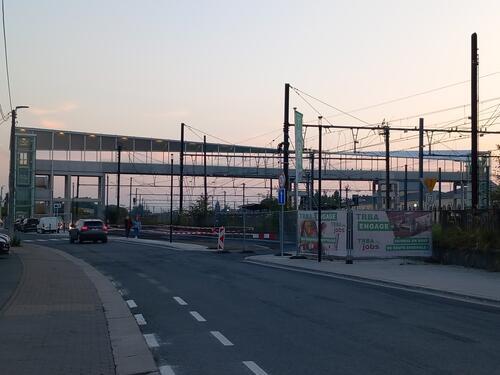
[(220, 239)]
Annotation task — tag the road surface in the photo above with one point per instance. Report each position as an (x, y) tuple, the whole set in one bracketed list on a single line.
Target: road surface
[(207, 313)]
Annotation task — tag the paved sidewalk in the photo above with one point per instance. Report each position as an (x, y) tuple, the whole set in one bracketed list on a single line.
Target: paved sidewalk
[(58, 321), (448, 281)]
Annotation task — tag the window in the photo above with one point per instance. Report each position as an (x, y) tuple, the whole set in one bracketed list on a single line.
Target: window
[(23, 158)]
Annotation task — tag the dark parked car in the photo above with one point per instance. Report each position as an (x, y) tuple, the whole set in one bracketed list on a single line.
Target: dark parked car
[(29, 225), (17, 224), (4, 244), (88, 230)]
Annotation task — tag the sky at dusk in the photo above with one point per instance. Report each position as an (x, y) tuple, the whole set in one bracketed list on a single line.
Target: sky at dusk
[(143, 67)]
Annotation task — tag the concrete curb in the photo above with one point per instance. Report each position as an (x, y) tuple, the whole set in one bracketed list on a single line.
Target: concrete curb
[(130, 351), (388, 284)]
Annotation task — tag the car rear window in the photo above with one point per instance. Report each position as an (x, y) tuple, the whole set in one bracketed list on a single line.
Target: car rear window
[(94, 224)]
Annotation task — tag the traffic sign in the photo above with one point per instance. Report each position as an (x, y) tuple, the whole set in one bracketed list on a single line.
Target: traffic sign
[(430, 183), (281, 196), (282, 180)]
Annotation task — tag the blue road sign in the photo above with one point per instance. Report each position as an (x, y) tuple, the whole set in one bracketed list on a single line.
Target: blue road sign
[(281, 196)]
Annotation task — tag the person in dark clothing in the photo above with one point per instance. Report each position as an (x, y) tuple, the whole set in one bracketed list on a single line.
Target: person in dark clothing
[(128, 226)]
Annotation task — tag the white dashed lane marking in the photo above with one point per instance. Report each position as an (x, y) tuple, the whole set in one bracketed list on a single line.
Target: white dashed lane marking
[(197, 316), (140, 319), (254, 367), (151, 340), (222, 339), (140, 274), (166, 370), (180, 301), (131, 304), (153, 281)]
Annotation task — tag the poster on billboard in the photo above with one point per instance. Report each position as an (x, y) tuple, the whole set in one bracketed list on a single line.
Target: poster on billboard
[(333, 232), (392, 233)]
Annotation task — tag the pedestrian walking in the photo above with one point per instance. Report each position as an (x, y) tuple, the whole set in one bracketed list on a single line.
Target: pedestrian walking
[(128, 226)]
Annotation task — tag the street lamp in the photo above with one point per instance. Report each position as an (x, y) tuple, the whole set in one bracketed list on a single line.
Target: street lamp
[(12, 167)]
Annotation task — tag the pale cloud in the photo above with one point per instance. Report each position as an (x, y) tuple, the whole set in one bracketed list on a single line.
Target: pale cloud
[(63, 108), (52, 124), (168, 114)]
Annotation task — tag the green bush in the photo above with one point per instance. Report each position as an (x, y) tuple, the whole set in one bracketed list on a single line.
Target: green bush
[(455, 238)]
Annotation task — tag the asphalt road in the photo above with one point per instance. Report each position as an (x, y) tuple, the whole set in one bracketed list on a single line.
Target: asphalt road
[(283, 322)]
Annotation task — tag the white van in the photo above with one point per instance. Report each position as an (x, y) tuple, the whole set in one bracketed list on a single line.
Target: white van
[(48, 224)]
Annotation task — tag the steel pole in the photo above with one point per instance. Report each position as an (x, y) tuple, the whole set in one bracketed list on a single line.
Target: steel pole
[(171, 195), (118, 184), (420, 164), (12, 171), (474, 122), (319, 189)]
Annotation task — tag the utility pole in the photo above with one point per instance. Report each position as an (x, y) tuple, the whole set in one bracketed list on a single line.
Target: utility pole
[(12, 172), (107, 199), (171, 194), (387, 169), (244, 194), (181, 170), (286, 144), (439, 197), (406, 188), (340, 194), (205, 196), (224, 199), (73, 215), (319, 187), (420, 164), (474, 99), (118, 184), (130, 197)]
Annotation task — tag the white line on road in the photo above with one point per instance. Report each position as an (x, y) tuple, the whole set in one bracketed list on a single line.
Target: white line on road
[(254, 367), (166, 370), (180, 301), (151, 340), (131, 304), (140, 274), (28, 240), (153, 281), (197, 316), (164, 289), (140, 319), (223, 340), (42, 240)]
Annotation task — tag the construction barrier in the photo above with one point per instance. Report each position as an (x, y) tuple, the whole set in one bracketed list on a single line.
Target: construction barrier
[(220, 239)]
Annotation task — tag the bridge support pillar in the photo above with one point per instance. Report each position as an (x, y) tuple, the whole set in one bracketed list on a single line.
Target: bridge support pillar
[(101, 194), (67, 200)]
